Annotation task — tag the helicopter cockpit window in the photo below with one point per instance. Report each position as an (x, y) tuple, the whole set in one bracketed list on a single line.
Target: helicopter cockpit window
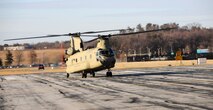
[(107, 53)]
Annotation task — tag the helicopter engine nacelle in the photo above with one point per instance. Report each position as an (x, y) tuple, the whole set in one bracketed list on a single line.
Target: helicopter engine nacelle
[(69, 51)]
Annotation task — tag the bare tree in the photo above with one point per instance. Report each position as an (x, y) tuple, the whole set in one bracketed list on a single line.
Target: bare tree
[(139, 28), (148, 26), (129, 29), (194, 26), (19, 56), (33, 56)]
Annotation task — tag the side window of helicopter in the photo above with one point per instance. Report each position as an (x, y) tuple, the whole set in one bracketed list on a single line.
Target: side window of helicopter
[(90, 56), (73, 60), (65, 52), (85, 57)]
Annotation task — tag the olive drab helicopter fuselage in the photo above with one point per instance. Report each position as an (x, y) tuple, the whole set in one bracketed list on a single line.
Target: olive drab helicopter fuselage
[(90, 60)]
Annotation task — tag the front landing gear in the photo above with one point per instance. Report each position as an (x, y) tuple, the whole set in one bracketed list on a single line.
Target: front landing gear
[(92, 73), (108, 73)]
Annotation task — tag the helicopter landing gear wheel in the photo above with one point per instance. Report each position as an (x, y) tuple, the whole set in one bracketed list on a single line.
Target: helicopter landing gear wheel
[(84, 75), (108, 73), (68, 75), (92, 73)]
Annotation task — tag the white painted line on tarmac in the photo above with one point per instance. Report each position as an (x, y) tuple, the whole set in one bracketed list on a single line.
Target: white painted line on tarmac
[(135, 72), (10, 77), (157, 71)]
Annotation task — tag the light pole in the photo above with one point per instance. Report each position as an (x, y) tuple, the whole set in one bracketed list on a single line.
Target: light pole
[(158, 53), (148, 51)]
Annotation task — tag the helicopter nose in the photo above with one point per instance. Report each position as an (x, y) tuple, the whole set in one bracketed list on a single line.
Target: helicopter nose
[(109, 62)]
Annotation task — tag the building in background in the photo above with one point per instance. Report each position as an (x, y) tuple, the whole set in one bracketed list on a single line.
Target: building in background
[(14, 48)]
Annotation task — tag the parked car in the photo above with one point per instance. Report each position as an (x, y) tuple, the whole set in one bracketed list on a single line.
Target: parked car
[(40, 66)]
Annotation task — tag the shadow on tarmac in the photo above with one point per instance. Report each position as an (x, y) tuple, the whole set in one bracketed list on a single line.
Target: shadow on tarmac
[(150, 74)]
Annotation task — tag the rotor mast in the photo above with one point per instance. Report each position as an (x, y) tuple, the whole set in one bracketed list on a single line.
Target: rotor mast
[(103, 42)]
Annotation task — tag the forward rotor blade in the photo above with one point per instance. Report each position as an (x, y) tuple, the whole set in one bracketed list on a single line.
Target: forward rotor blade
[(93, 32), (143, 32), (47, 36)]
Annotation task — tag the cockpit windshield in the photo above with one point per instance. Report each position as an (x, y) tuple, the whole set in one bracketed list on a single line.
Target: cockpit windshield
[(107, 53)]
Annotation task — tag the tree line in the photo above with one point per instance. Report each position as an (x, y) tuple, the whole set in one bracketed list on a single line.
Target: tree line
[(187, 38)]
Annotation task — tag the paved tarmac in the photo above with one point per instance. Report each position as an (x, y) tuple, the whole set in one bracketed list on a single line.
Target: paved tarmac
[(163, 88)]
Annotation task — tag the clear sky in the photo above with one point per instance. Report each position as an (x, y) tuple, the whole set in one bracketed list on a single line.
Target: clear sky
[(25, 18)]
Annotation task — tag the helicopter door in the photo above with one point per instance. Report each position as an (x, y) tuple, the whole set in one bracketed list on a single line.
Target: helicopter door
[(98, 56)]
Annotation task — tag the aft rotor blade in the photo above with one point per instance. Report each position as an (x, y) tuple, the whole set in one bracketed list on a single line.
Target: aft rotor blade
[(88, 35), (91, 40), (143, 32), (59, 35), (47, 36)]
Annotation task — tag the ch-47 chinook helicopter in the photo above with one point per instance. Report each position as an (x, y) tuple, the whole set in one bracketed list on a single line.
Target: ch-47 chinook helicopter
[(80, 60)]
